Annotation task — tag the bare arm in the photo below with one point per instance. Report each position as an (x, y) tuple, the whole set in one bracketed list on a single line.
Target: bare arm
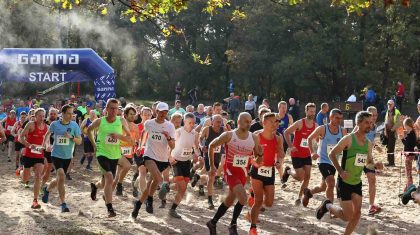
[(222, 139), (126, 136), (341, 145), (22, 136), (291, 129), (315, 136), (91, 131)]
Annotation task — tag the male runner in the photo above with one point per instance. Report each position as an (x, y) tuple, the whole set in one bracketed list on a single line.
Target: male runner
[(299, 150), (89, 152), (111, 129), (240, 145), (208, 134), (328, 135), (262, 171), (358, 154), (66, 134), (160, 135), (186, 148)]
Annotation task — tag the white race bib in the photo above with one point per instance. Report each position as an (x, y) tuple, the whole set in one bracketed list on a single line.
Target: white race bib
[(110, 140), (304, 143), (62, 140), (157, 137), (240, 161), (187, 152), (9, 128), (126, 151), (265, 171), (218, 149), (360, 159), (37, 149)]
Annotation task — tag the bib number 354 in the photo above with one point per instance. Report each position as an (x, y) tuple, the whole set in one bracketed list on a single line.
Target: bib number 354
[(240, 161)]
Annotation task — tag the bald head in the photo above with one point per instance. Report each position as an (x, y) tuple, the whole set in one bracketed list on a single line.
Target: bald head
[(244, 121), (292, 101)]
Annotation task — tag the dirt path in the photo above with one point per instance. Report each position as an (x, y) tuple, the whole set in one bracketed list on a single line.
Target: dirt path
[(89, 217)]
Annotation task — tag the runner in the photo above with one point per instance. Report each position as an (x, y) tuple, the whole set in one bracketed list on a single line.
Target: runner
[(371, 174), (66, 134), (139, 179), (89, 152), (240, 145), (17, 128), (110, 129), (328, 135), (285, 120), (9, 122), (301, 157), (32, 137), (349, 184), (262, 171), (186, 148), (127, 148), (258, 125), (161, 134), (208, 134), (52, 116)]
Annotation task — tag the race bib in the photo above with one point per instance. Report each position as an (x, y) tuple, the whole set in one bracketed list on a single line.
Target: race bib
[(304, 143), (37, 149), (218, 149), (360, 159), (62, 140), (157, 137), (126, 150), (240, 161), (110, 140), (265, 171), (187, 152), (9, 128)]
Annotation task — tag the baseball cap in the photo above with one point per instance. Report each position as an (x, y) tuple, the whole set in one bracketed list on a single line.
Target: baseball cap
[(162, 106)]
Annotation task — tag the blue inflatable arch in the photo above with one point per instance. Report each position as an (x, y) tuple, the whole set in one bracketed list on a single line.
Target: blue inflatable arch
[(58, 65)]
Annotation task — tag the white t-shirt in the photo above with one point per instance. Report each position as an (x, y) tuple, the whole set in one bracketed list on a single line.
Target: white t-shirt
[(250, 105), (184, 143), (157, 144)]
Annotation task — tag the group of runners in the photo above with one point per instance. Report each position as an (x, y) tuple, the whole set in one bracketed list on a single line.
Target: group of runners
[(169, 153)]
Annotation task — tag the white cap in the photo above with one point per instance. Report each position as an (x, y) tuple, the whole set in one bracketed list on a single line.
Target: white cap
[(418, 103), (162, 106)]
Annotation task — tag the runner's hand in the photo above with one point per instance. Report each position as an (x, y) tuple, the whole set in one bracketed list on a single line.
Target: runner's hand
[(212, 171), (172, 160), (345, 175), (293, 149), (166, 134), (67, 135), (195, 158), (315, 156), (49, 149)]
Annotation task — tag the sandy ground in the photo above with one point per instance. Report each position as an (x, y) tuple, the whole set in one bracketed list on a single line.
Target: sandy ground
[(89, 217)]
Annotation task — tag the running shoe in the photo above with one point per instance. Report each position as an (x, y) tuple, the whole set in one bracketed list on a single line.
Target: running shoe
[(233, 230), (322, 209), (93, 191), (253, 231), (174, 214), (119, 191), (374, 210), (164, 189), (306, 196), (35, 204), (406, 197), (212, 228), (64, 208), (285, 175), (46, 194)]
